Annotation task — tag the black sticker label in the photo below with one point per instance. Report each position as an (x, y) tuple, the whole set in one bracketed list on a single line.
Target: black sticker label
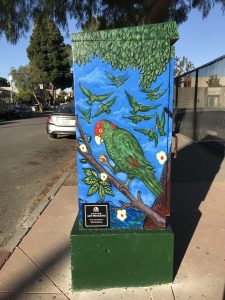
[(96, 215)]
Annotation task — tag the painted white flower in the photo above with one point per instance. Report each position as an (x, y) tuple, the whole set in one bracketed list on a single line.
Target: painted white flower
[(121, 214), (161, 156), (83, 148), (103, 176)]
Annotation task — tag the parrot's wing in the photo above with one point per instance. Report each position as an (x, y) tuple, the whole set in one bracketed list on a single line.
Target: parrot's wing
[(103, 97), (128, 147), (148, 117), (143, 131), (147, 108), (111, 102), (82, 112), (162, 123), (155, 136), (110, 76), (85, 91), (120, 77), (99, 112), (131, 99), (157, 122), (122, 82)]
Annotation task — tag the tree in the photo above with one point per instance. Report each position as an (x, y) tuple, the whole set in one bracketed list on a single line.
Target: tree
[(17, 15), (182, 65), (27, 85), (4, 82), (49, 57), (213, 81)]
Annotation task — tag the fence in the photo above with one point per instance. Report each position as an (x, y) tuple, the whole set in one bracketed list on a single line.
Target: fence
[(199, 103)]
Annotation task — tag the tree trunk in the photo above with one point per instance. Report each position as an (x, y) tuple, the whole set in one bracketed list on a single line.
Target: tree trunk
[(38, 102)]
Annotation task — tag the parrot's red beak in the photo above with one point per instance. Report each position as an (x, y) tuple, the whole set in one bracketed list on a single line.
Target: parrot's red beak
[(98, 132)]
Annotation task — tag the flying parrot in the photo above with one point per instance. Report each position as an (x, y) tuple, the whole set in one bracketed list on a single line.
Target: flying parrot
[(152, 94), (93, 97), (136, 119), (150, 133), (105, 108), (137, 107), (116, 81), (125, 151)]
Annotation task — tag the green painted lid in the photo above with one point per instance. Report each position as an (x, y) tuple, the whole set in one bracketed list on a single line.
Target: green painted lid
[(158, 31)]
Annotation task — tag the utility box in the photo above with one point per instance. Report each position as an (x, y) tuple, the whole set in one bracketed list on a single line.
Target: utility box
[(123, 83)]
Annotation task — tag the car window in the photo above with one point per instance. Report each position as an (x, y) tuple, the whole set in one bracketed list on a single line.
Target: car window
[(64, 110)]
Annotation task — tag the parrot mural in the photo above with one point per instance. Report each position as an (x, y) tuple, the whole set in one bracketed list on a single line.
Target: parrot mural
[(125, 151), (124, 132)]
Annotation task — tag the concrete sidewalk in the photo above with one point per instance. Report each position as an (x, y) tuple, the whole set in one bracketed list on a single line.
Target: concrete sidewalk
[(39, 268)]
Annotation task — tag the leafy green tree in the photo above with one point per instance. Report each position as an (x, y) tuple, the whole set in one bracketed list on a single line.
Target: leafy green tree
[(182, 65), (17, 15), (214, 81), (28, 86), (4, 82), (49, 57)]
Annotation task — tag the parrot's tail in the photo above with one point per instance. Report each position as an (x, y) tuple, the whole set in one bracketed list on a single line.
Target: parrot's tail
[(150, 181)]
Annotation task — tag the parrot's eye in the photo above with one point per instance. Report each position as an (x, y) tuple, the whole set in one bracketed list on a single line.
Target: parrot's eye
[(101, 130)]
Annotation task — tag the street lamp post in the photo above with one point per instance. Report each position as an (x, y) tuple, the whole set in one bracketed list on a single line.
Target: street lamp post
[(11, 91)]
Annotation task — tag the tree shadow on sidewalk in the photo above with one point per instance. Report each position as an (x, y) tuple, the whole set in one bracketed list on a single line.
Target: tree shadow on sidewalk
[(193, 172)]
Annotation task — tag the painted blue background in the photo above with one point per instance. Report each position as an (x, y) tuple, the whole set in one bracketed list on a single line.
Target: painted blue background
[(92, 76)]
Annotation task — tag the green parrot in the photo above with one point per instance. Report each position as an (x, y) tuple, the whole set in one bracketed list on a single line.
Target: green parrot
[(125, 151), (86, 115), (136, 119), (160, 124), (138, 107), (104, 108), (93, 97), (152, 94), (152, 135), (116, 81)]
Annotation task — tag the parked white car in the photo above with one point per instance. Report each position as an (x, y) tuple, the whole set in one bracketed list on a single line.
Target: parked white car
[(61, 121)]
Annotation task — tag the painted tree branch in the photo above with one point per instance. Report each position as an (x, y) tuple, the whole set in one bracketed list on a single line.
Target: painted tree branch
[(135, 203)]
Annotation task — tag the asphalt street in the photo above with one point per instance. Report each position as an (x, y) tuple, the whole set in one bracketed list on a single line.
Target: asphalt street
[(29, 164)]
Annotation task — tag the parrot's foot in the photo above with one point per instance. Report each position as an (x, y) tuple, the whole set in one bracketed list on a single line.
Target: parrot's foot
[(124, 185)]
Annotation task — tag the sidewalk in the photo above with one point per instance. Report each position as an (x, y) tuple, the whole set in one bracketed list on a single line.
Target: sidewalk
[(39, 268)]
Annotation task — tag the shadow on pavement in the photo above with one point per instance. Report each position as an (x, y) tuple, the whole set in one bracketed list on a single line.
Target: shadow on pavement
[(7, 122), (50, 261), (193, 172)]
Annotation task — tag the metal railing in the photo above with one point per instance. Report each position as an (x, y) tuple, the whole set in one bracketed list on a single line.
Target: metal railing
[(199, 103)]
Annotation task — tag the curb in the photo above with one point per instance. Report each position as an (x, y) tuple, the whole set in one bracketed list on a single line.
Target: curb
[(34, 215)]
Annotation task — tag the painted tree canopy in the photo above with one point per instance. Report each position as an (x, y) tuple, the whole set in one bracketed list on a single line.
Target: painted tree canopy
[(125, 48)]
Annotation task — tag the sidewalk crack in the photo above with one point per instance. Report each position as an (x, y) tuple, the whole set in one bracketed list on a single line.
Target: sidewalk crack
[(43, 272)]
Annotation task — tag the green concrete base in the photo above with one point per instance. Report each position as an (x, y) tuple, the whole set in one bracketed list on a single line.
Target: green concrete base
[(120, 258)]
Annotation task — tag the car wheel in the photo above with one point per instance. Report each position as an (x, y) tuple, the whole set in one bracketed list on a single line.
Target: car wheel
[(53, 136)]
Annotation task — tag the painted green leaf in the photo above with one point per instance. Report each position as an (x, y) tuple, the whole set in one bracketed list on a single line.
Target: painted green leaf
[(101, 192), (91, 172), (80, 140), (93, 189), (105, 183), (89, 139), (108, 191), (90, 180)]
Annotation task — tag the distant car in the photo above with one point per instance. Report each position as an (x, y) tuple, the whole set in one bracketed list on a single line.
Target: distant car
[(61, 121), (21, 111)]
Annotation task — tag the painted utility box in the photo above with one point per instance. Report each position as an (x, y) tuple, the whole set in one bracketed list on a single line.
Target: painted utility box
[(124, 92), (123, 82)]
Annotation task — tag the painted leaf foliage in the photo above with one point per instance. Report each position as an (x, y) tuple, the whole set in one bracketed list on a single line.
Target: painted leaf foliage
[(96, 184), (124, 48)]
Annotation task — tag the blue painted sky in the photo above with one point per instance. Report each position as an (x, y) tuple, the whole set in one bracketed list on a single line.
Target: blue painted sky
[(200, 40)]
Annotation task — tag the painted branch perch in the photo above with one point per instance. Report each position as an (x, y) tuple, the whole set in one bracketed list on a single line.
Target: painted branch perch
[(136, 203)]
